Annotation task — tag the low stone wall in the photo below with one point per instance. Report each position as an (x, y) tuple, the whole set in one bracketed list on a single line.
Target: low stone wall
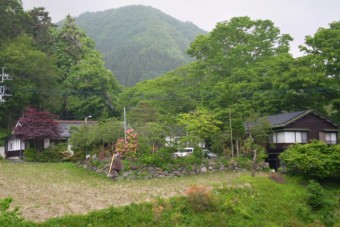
[(148, 172)]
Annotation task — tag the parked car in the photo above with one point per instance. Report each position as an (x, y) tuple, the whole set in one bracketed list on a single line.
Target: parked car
[(183, 152), (208, 154)]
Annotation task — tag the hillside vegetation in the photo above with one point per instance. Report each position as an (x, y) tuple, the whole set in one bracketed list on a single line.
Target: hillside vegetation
[(139, 42)]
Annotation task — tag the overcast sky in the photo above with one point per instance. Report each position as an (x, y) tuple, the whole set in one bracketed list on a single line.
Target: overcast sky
[(295, 17)]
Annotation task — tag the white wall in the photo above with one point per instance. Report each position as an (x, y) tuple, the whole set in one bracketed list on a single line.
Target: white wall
[(2, 152), (15, 145)]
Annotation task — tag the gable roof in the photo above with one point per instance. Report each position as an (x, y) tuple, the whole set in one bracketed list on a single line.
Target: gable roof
[(282, 120)]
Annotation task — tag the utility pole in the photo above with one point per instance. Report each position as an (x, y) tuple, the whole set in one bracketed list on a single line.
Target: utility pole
[(3, 88), (125, 125), (231, 135)]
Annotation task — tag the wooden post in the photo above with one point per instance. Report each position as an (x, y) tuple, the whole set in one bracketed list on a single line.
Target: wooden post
[(237, 149), (113, 157)]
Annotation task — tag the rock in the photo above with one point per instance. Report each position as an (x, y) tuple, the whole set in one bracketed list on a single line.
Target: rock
[(204, 169), (177, 173), (99, 170), (114, 174), (106, 167), (158, 169), (212, 163), (132, 177), (117, 165), (127, 174), (133, 167), (210, 168)]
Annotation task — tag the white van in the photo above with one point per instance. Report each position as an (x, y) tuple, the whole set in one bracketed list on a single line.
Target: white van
[(183, 152)]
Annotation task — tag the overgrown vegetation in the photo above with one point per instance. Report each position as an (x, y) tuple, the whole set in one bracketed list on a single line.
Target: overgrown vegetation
[(9, 217), (55, 153), (246, 202)]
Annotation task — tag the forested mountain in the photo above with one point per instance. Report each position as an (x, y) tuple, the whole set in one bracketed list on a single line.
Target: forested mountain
[(139, 42)]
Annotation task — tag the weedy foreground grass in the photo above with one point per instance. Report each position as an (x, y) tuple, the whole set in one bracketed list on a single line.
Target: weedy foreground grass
[(46, 190)]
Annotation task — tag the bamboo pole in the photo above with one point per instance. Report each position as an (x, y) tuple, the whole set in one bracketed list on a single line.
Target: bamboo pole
[(113, 158)]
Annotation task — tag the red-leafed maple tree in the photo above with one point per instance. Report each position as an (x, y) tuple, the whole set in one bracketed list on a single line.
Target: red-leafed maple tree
[(35, 126)]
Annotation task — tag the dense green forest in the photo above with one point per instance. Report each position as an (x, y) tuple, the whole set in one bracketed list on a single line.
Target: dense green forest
[(242, 70), (52, 69), (139, 42)]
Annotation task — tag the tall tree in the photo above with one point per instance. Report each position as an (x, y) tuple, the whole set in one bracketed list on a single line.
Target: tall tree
[(92, 88), (39, 26), (324, 55), (13, 19), (238, 43), (34, 79), (199, 124), (69, 45), (89, 87)]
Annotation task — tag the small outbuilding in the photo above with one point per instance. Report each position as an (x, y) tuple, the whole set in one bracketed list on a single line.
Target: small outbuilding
[(14, 146)]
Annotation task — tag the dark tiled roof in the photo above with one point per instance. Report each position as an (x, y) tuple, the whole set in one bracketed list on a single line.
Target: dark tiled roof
[(285, 118)]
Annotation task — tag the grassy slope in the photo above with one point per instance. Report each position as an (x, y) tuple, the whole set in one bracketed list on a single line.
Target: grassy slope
[(45, 190), (237, 199)]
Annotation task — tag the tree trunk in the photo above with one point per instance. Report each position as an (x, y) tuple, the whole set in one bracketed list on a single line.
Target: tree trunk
[(253, 169)]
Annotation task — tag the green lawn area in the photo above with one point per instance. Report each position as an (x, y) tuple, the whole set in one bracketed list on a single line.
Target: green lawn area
[(44, 191)]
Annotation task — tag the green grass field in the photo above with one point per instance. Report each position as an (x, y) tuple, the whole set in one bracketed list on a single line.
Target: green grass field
[(64, 194)]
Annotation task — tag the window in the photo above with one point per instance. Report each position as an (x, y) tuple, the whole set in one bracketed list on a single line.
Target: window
[(330, 137), (289, 137)]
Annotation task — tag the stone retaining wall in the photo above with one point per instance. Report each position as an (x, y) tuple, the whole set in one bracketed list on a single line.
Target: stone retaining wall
[(148, 172)]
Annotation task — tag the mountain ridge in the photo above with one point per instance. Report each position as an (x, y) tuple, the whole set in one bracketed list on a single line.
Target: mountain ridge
[(139, 42)]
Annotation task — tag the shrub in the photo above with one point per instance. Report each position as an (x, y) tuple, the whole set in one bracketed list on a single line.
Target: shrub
[(316, 197), (166, 153), (316, 160), (202, 198), (8, 218), (198, 153), (243, 162), (55, 153), (151, 159), (30, 154)]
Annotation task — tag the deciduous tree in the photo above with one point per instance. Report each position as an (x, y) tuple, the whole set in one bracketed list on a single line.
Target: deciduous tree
[(36, 126)]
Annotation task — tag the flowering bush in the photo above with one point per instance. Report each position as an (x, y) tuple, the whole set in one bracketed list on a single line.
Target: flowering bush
[(130, 145)]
